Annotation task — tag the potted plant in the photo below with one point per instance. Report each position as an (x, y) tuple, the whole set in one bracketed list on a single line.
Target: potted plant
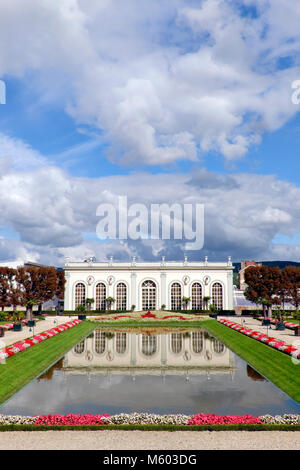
[(185, 301), (17, 319), (30, 323), (89, 303), (132, 308), (110, 301), (163, 307), (213, 311), (280, 325), (266, 305), (81, 309), (206, 298)]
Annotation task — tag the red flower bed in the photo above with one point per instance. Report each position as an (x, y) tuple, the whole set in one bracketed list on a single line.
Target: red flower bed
[(69, 419), (144, 315), (202, 418), (27, 343), (269, 340)]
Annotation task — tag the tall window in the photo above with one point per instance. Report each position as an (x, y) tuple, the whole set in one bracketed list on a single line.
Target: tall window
[(121, 297), (217, 295), (79, 348), (100, 296), (99, 341), (79, 294), (196, 296), (197, 341), (175, 296), (148, 295), (176, 342), (149, 344), (121, 342), (219, 347)]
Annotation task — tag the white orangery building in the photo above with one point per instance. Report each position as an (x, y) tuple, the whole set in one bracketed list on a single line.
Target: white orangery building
[(149, 285)]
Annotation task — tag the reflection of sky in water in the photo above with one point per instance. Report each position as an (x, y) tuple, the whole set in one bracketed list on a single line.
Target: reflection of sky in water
[(239, 393)]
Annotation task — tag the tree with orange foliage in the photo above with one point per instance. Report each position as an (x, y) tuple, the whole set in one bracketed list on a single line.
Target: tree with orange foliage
[(264, 284), (10, 294), (37, 284), (61, 280), (292, 274)]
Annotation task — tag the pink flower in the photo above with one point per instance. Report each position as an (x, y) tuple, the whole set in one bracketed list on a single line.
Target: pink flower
[(69, 419), (201, 419)]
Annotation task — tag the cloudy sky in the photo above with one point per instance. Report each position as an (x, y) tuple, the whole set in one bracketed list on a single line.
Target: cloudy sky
[(182, 101)]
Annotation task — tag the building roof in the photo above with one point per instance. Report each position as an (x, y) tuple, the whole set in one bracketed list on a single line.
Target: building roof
[(141, 265)]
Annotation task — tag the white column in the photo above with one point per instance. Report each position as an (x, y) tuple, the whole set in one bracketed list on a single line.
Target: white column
[(68, 293), (163, 291), (134, 296)]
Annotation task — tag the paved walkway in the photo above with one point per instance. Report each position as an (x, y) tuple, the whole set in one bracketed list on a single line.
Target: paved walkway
[(11, 336), (150, 440), (288, 336)]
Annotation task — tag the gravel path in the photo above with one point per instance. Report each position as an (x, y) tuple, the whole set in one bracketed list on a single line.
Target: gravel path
[(151, 440)]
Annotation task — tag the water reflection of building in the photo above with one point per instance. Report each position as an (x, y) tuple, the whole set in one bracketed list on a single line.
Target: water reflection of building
[(145, 353)]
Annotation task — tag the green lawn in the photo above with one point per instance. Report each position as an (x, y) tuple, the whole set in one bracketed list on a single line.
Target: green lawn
[(272, 364), (149, 324), (20, 369)]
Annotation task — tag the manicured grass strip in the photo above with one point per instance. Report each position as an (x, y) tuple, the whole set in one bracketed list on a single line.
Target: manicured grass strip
[(155, 324), (272, 364), (152, 427), (20, 369)]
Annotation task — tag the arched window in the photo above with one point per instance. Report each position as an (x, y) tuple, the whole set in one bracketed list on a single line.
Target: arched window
[(121, 342), (149, 344), (176, 298), (196, 296), (121, 296), (100, 303), (176, 342), (79, 348), (148, 295), (219, 347), (99, 341), (217, 295), (197, 342), (79, 294)]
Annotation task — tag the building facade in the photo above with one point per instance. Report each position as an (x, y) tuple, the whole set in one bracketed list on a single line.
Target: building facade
[(147, 353), (149, 285)]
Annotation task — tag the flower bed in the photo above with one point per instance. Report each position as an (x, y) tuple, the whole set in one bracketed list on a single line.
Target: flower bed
[(27, 343), (270, 341), (200, 419), (287, 324), (69, 419), (146, 316), (9, 326)]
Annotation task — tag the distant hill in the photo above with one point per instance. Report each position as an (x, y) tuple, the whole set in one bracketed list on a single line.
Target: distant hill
[(280, 264)]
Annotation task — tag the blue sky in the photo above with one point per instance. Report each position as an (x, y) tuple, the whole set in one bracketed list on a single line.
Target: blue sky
[(182, 102)]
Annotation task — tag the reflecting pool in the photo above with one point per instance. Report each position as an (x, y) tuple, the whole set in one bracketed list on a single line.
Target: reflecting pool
[(154, 370)]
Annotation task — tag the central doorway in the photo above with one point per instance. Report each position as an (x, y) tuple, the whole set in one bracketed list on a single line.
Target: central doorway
[(148, 295)]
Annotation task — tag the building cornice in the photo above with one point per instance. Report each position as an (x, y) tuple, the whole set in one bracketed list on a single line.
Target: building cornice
[(147, 267)]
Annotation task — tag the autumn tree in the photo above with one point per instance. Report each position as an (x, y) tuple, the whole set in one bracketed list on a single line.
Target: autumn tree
[(61, 280), (292, 274), (4, 288), (37, 284), (263, 286), (10, 294)]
